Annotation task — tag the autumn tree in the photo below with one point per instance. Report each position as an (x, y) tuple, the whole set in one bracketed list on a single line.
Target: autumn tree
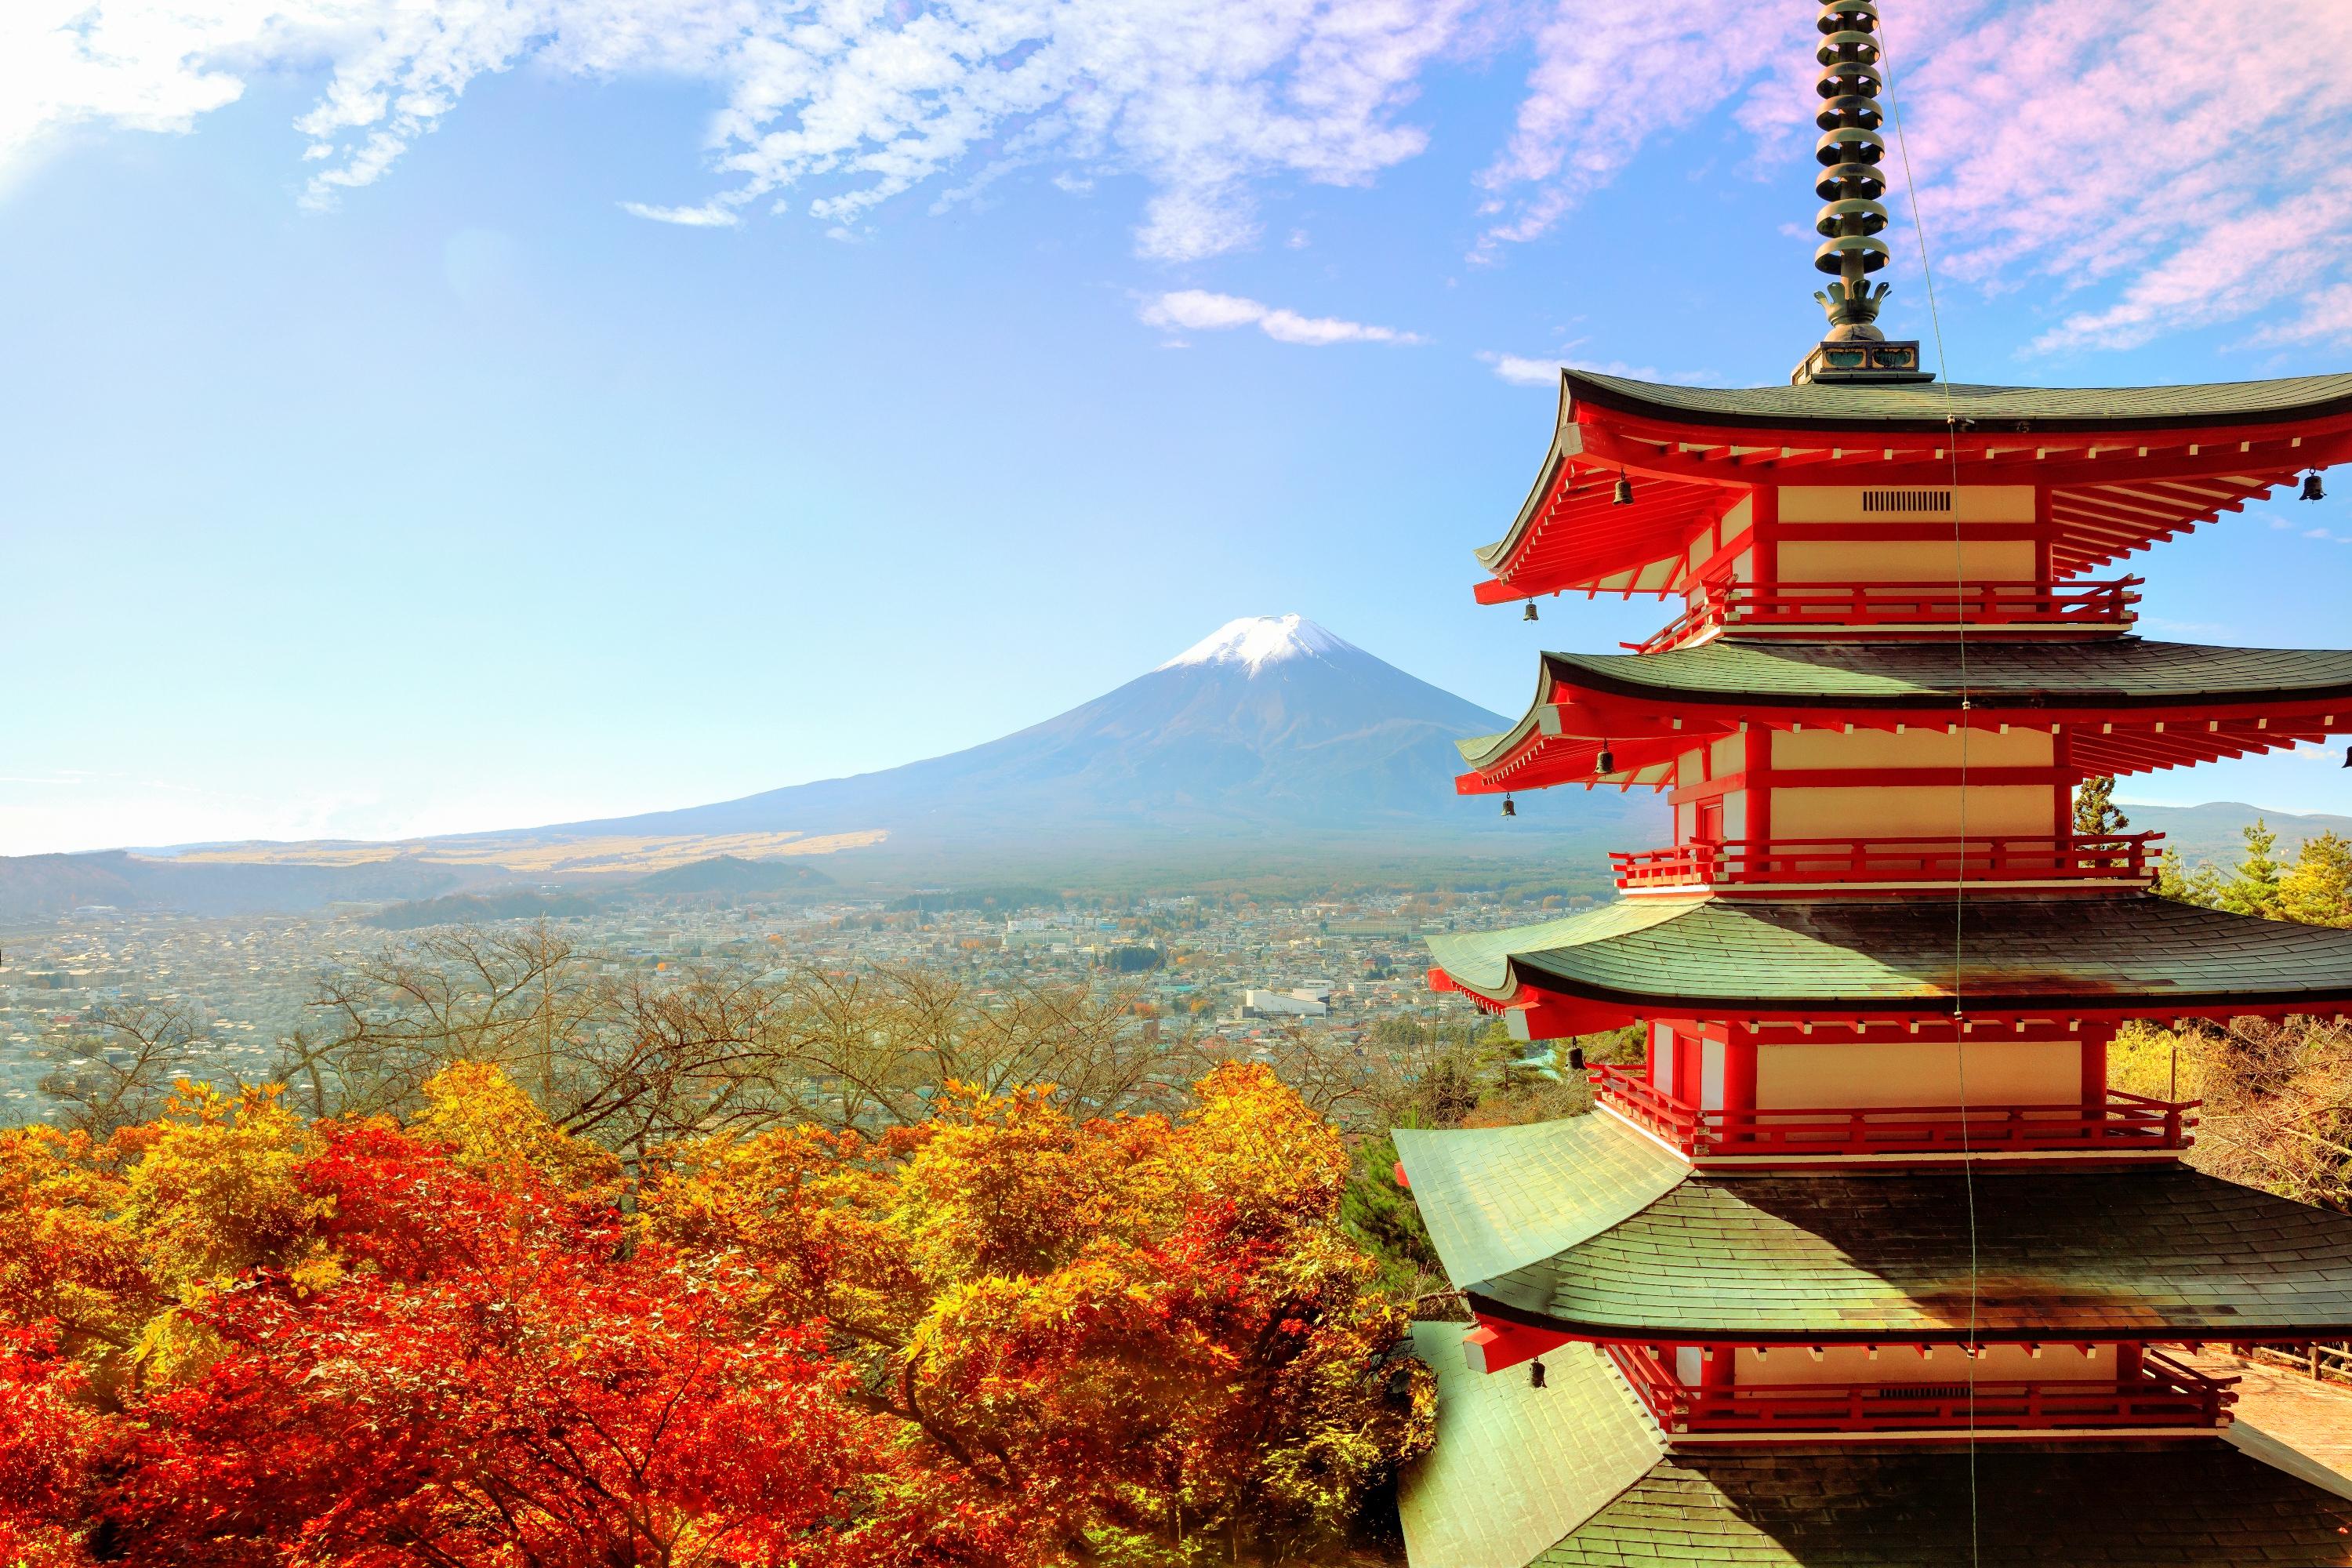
[(120, 1070), (877, 1045), (233, 1336), (2277, 1093), (482, 1375), (2317, 889), (632, 1060), (49, 1442), (1127, 1335)]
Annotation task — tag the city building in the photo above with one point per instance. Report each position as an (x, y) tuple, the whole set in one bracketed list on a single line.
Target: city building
[(1298, 1003), (1868, 1261)]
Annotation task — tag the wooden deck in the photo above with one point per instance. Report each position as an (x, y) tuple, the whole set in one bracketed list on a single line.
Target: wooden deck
[(2314, 1418)]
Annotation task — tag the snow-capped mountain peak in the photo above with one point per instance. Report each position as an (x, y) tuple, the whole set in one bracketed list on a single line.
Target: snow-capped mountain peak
[(1256, 641)]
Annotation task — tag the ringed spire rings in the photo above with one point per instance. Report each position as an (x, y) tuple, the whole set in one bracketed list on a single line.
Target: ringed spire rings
[(1850, 147)]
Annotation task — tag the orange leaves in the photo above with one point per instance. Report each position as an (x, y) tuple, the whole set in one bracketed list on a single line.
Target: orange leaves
[(492, 1380), (973, 1341), (65, 1260), (47, 1441), (1115, 1328)]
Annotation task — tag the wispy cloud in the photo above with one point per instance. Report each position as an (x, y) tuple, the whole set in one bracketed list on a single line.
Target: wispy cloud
[(842, 103), (1606, 82), (2141, 156), (1195, 310), (1538, 369), (687, 218)]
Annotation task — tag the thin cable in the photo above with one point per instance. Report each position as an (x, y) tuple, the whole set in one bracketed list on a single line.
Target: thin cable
[(1960, 882)]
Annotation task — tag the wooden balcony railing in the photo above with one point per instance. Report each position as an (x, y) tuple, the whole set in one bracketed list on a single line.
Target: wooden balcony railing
[(2061, 857), (1734, 607), (2165, 1394), (2121, 1122)]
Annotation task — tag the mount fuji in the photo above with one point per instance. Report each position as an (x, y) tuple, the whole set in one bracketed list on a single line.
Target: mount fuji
[(1268, 742), (1268, 726)]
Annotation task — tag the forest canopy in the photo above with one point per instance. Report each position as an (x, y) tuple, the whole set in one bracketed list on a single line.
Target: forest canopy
[(233, 1335)]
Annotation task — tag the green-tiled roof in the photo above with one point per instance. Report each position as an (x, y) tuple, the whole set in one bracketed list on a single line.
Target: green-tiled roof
[(1928, 405), (2118, 672), (2162, 1251), (1843, 955), (1516, 1467), (2173, 1505), (1567, 1182)]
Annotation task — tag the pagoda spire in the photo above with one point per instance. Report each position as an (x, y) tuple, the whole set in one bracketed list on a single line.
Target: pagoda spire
[(1850, 150)]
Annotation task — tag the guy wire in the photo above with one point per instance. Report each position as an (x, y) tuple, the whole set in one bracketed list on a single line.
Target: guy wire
[(1959, 882)]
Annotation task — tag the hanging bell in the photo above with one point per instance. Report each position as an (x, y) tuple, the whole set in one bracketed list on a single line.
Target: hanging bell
[(2347, 756), (1624, 491), (1606, 763), (1509, 809), (2310, 490), (1531, 612)]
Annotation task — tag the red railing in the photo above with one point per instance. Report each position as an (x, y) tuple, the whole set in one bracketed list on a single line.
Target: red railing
[(1744, 606), (2165, 1393), (2122, 1122), (2048, 858)]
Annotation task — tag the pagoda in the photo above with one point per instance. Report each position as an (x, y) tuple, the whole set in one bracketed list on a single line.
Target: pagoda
[(1868, 1260)]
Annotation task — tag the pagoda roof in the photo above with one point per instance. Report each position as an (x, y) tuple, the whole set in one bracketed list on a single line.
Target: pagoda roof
[(2125, 954), (1652, 705), (2125, 672), (2199, 1504), (1930, 407), (1517, 1467), (1574, 1473), (2125, 466), (2161, 1252)]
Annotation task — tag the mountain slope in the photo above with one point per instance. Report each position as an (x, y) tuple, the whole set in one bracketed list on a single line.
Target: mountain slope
[(2216, 831), (1269, 724), (1270, 741)]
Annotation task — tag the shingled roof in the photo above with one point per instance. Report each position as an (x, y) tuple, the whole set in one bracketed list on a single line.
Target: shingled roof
[(1573, 1475), (1930, 407), (2120, 672), (1708, 956), (2201, 1503), (1518, 1467), (2164, 1252)]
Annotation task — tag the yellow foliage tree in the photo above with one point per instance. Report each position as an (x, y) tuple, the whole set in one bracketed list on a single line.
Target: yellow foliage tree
[(1134, 1336), (496, 1130)]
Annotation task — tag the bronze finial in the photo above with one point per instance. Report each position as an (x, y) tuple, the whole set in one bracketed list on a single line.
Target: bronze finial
[(1849, 152), (1851, 216)]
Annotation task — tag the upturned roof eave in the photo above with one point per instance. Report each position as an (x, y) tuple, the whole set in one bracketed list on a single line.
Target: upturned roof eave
[(2316, 410), (1828, 407), (1648, 677), (1865, 960), (1567, 441), (2207, 1327)]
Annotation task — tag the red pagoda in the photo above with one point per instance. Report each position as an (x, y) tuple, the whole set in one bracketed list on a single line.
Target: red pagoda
[(1868, 1262)]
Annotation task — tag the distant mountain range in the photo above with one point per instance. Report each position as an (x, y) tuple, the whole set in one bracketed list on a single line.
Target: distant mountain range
[(1270, 743), (2216, 831)]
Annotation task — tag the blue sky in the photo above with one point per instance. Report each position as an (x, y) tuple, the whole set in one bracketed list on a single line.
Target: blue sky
[(428, 483)]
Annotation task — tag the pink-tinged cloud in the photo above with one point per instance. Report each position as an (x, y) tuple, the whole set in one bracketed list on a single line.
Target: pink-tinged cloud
[(2182, 158)]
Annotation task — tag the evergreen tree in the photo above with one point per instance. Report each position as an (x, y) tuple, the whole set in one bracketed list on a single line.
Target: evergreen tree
[(2201, 887), (2096, 815), (2254, 890)]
